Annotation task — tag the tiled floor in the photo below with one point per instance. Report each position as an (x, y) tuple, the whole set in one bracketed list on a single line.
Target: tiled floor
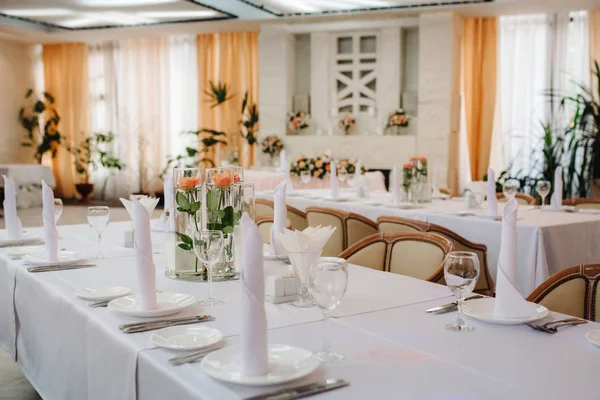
[(13, 385)]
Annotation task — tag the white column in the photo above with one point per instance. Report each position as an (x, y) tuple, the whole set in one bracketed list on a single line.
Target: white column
[(320, 84)]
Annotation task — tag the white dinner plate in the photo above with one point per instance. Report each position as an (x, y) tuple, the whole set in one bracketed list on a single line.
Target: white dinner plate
[(102, 293), (483, 310), (167, 304), (65, 257), (372, 203), (267, 256), (561, 209), (593, 337), (186, 337), (591, 211), (286, 363), (337, 199), (25, 239), (405, 206), (296, 194)]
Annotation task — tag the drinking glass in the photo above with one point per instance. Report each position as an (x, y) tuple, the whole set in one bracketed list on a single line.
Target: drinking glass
[(510, 188), (342, 175), (208, 246), (58, 209), (238, 173), (461, 270), (327, 285), (306, 177), (98, 217), (223, 176), (543, 189), (351, 180), (249, 199), (302, 262)]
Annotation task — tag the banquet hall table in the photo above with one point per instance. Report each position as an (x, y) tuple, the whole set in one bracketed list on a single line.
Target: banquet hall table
[(547, 241), (27, 179), (268, 180), (393, 350)]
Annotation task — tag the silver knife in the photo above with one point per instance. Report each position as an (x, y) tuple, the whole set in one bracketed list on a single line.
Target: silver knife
[(194, 356), (300, 392), (449, 307), (49, 268), (149, 326)]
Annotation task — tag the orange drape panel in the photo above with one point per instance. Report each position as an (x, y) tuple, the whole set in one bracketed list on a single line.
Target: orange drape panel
[(231, 58), (479, 40), (594, 22), (66, 78)]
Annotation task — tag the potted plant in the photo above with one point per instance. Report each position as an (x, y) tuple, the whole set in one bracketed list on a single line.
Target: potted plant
[(89, 155), (40, 120)]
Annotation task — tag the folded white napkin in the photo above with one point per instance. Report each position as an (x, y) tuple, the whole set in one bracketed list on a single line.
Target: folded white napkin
[(253, 335), (146, 270), (509, 302), (279, 219), (169, 190), (333, 181), (14, 228), (395, 186), (358, 170), (492, 202), (309, 240), (435, 186), (50, 232), (283, 164), (149, 203), (556, 200)]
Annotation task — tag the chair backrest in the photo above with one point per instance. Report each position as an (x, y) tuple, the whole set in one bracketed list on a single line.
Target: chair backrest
[(358, 228), (264, 207), (297, 218), (521, 198), (572, 291), (447, 192), (264, 224), (585, 203), (329, 217), (485, 284), (417, 254)]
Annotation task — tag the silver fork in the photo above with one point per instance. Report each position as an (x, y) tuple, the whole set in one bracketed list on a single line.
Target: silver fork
[(192, 357), (552, 326)]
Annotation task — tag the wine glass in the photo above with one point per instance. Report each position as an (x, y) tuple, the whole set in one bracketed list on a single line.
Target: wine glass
[(208, 246), (543, 189), (461, 270), (306, 177), (342, 175), (249, 200), (58, 209), (327, 285), (510, 188), (351, 179), (98, 217)]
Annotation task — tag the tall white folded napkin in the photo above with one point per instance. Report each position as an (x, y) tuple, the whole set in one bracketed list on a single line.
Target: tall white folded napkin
[(149, 203), (50, 232), (509, 302), (13, 223), (492, 202), (279, 219), (283, 164), (435, 181), (395, 186), (310, 239), (169, 190), (358, 169), (253, 335), (556, 200), (146, 270), (334, 184)]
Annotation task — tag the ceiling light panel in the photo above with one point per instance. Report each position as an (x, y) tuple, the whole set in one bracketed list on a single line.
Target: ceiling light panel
[(37, 12), (121, 3)]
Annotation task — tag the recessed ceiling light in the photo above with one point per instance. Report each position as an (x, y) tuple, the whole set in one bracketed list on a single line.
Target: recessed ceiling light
[(121, 3), (38, 12), (179, 14), (121, 18)]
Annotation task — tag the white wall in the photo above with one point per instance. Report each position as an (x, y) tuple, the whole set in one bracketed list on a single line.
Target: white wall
[(16, 76)]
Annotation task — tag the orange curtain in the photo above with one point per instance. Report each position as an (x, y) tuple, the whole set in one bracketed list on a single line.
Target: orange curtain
[(594, 22), (479, 40), (230, 58), (66, 78)]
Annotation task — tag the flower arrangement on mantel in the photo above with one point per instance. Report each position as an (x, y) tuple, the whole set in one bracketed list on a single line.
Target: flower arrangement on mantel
[(320, 166), (297, 122), (347, 122), (398, 118), (271, 145)]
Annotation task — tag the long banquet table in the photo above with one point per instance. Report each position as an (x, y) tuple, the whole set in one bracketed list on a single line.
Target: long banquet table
[(268, 180), (393, 349), (548, 241)]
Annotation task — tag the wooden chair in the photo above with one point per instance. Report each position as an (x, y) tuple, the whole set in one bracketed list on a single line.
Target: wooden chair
[(350, 227), (522, 198), (264, 224), (297, 218), (416, 254), (580, 204), (264, 207), (573, 291), (485, 284), (447, 192)]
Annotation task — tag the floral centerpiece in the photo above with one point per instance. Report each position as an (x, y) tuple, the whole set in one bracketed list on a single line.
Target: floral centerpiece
[(319, 166), (407, 177), (272, 146), (347, 122), (396, 119), (423, 193), (297, 122)]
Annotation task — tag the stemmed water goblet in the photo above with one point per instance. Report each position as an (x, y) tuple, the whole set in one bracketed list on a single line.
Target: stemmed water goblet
[(58, 209), (306, 177), (98, 218), (208, 246), (510, 188), (461, 271), (327, 285), (543, 189), (342, 175)]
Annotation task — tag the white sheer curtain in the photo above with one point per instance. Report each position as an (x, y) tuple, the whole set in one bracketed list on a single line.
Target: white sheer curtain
[(146, 91)]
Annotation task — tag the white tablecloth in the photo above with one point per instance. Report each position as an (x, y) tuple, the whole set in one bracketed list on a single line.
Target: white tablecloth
[(548, 241), (393, 350), (28, 180), (268, 180)]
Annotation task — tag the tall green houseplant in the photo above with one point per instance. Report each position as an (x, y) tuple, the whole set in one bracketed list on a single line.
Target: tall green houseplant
[(40, 119)]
